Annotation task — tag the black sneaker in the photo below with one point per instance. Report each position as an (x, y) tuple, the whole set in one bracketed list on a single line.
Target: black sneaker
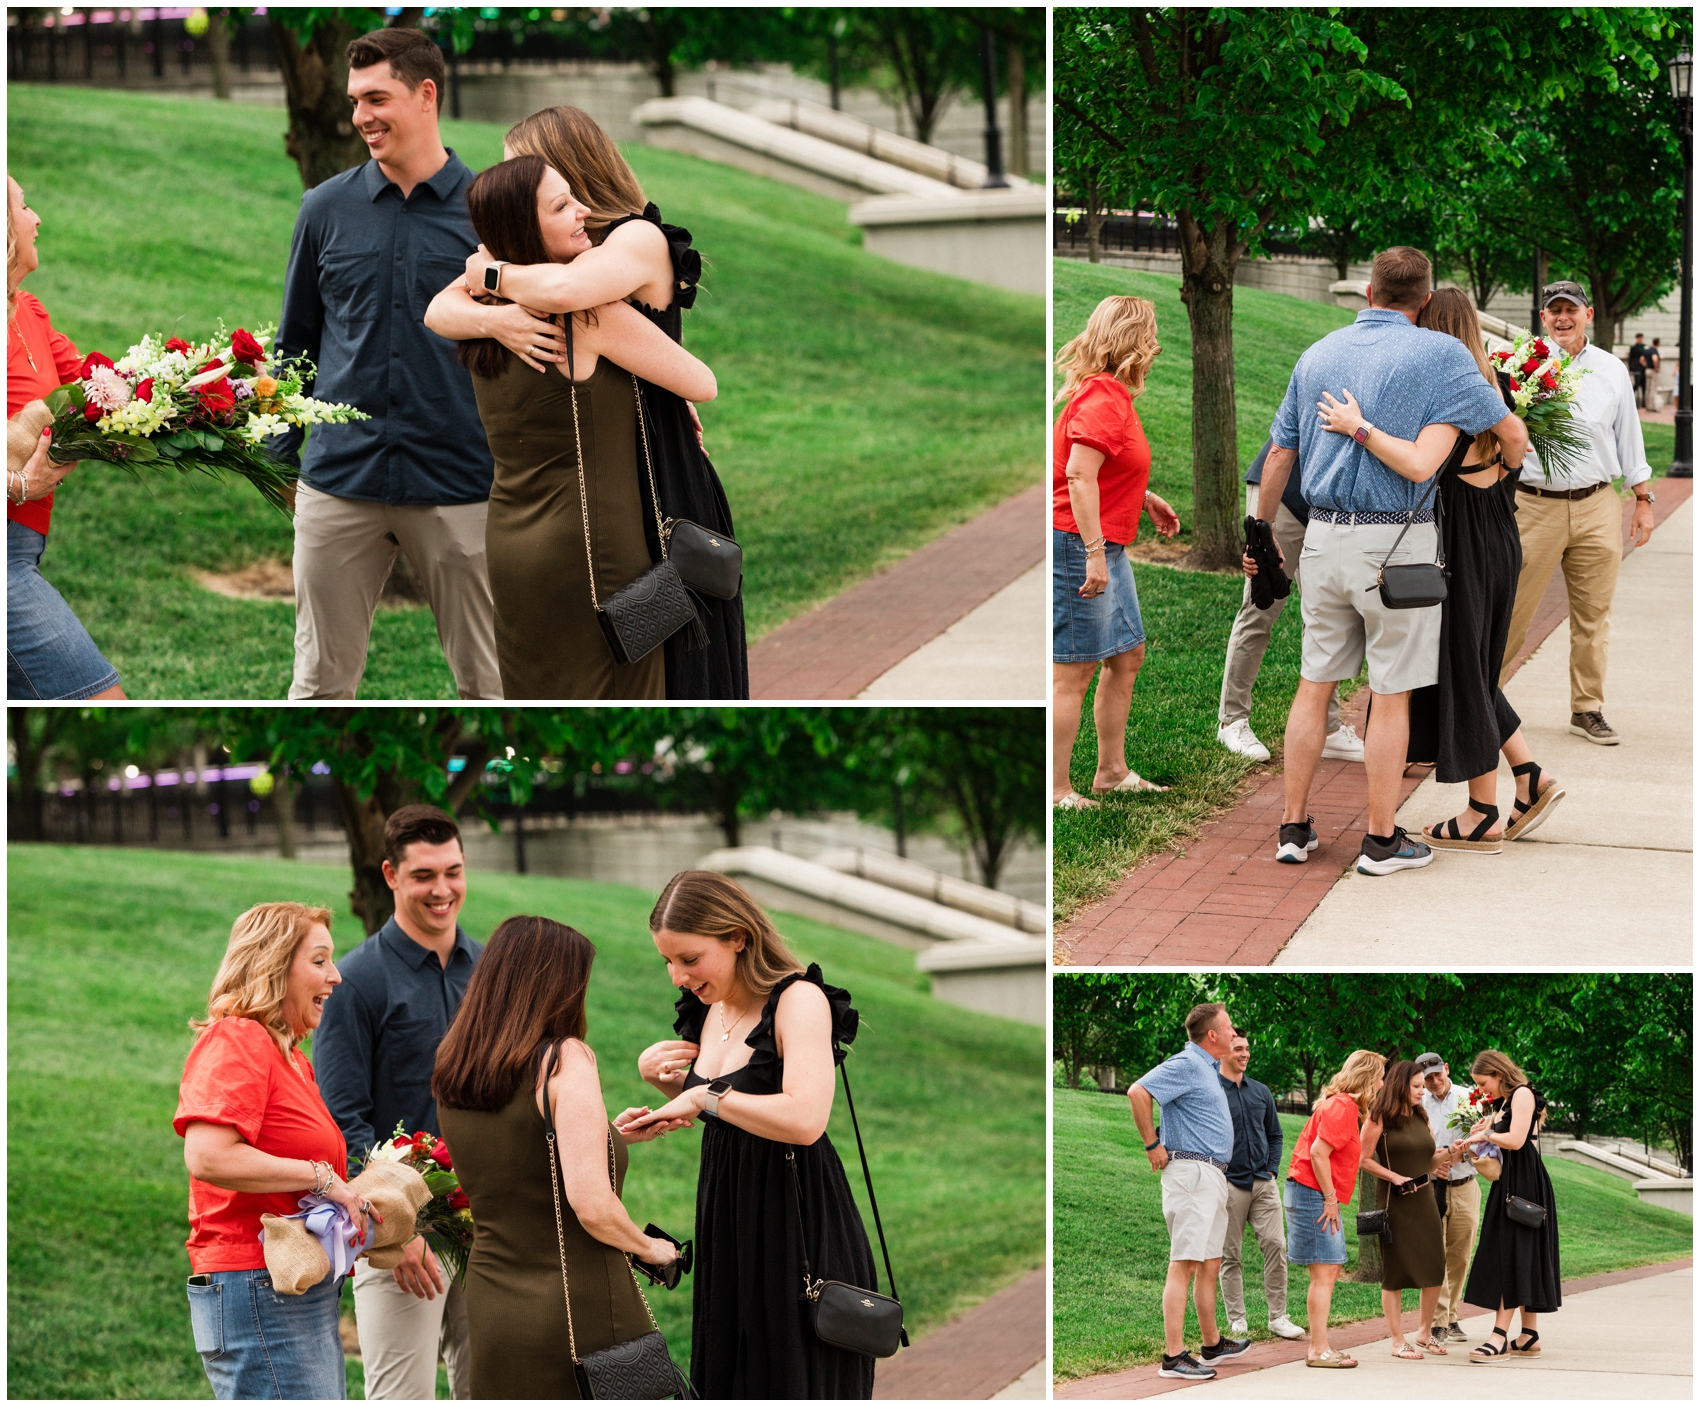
[(1403, 854), (1298, 839), (1184, 1365), (1224, 1348)]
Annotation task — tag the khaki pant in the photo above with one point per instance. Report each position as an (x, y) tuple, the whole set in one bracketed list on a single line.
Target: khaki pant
[(1249, 639), (401, 1337), (1262, 1207), (344, 549), (1463, 1211), (1585, 537)]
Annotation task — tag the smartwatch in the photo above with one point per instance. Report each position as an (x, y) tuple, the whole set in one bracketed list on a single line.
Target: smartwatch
[(716, 1092), (493, 276), (1361, 434)]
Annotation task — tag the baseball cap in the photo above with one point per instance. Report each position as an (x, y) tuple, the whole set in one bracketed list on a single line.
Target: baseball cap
[(1574, 292), (1428, 1060)]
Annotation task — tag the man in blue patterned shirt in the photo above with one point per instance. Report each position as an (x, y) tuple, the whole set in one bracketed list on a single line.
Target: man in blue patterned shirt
[(1414, 384)]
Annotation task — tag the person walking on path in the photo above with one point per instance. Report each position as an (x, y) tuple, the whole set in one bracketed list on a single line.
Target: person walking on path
[(1458, 1194), (1252, 1195), (1325, 1161), (1417, 385), (371, 248), (1516, 1269), (1248, 641), (1192, 1153), (376, 1049), (1640, 362), (1100, 472), (1570, 518)]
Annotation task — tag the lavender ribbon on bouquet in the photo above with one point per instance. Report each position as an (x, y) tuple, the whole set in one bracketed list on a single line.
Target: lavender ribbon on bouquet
[(331, 1226)]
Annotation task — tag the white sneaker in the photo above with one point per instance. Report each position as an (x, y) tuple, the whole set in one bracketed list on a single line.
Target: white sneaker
[(1238, 737), (1237, 1328), (1285, 1328), (1344, 744)]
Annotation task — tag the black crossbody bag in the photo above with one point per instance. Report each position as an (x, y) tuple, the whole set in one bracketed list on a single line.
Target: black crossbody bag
[(1376, 1221), (1410, 586), (841, 1314)]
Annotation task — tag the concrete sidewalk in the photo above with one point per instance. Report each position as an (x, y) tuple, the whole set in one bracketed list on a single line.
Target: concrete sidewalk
[(1614, 864), (996, 651)]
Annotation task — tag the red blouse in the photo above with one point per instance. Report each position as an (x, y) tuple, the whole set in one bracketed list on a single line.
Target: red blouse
[(1335, 1122), (1101, 416), (236, 1075), (38, 362)]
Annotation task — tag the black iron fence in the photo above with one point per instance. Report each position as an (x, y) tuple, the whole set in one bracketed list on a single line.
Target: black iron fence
[(1135, 234), (130, 48)]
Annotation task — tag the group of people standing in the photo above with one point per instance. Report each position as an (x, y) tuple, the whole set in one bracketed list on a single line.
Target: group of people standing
[(484, 1044), (514, 339), (1219, 1146)]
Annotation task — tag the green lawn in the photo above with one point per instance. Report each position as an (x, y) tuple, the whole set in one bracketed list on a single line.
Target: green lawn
[(865, 407), (111, 951), (1110, 1249)]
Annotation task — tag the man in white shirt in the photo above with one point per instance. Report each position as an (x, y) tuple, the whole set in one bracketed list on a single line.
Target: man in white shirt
[(1571, 518), (1458, 1192)]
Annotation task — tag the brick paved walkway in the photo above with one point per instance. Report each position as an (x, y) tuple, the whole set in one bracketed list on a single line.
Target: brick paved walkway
[(976, 1355), (1222, 899)]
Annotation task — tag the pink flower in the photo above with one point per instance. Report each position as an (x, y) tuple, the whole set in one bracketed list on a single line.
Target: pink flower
[(106, 388)]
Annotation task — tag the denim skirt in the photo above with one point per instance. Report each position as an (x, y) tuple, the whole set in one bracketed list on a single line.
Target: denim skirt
[(257, 1344), (48, 653), (1084, 631), (1308, 1243)]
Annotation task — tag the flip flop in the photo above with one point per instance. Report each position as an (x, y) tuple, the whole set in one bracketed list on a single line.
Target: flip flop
[(1132, 782), (1430, 1346), (1074, 801), (1409, 1353)]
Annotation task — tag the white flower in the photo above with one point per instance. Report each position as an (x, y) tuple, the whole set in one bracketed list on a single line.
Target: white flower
[(263, 427), (106, 388)]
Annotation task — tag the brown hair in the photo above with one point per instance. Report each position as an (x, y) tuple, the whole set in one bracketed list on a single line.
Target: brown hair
[(1359, 1077), (708, 905), (254, 976), (408, 824), (1401, 278), (570, 140), (1392, 1103), (502, 202), (1120, 338), (1201, 1018), (412, 57), (1450, 311), (526, 994), (1510, 1075)]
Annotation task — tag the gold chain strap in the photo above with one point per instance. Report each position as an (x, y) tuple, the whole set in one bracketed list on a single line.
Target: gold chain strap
[(584, 502), (654, 498), (561, 1239)]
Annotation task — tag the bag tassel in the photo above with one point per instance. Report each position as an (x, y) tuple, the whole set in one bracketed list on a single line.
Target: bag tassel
[(697, 638)]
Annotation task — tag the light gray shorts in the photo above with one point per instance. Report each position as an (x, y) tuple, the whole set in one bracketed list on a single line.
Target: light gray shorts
[(1195, 1206), (1345, 622)]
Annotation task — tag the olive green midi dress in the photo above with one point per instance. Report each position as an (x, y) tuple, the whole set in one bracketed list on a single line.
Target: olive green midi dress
[(1417, 1258)]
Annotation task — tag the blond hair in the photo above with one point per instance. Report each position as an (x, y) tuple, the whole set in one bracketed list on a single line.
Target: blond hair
[(12, 279), (709, 905), (1450, 310), (1120, 339), (254, 976), (1359, 1077), (572, 141)]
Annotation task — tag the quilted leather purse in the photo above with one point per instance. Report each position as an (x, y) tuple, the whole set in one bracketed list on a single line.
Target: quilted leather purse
[(1376, 1222), (639, 1369)]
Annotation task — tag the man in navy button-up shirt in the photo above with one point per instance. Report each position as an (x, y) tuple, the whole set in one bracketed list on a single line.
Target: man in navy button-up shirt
[(372, 247)]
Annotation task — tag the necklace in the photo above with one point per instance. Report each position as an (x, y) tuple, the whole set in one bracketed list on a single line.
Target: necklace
[(725, 1030), (25, 344)]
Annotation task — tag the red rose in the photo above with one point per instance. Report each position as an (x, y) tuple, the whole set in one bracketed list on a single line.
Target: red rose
[(1501, 356), (209, 365), (91, 361), (458, 1200), (144, 390), (1540, 347), (177, 344), (245, 349), (401, 1142), (1515, 384), (92, 412), (1530, 365), (441, 1154), (217, 397), (1550, 381)]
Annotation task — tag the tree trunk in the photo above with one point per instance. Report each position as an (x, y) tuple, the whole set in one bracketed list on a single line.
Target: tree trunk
[(1208, 259), (1017, 110), (321, 139), (218, 47), (363, 822), (1094, 219), (1368, 1271), (284, 805), (29, 752)]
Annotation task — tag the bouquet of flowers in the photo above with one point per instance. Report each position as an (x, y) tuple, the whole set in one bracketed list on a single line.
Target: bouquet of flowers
[(208, 407), (446, 1220), (1470, 1113), (1543, 378)]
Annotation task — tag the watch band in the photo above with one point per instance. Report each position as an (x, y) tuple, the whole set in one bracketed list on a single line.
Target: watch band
[(1361, 434), (716, 1091), (1154, 1142), (493, 276)]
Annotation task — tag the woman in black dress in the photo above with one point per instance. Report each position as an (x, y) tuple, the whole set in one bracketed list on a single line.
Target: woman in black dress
[(1464, 722), (759, 1041), (1516, 1266), (634, 258)]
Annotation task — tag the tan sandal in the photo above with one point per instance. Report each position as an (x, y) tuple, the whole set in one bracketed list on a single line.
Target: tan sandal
[(1132, 782), (1446, 835), (1074, 801), (1526, 815), (1430, 1346), (1490, 1352), (1331, 1358), (1409, 1352)]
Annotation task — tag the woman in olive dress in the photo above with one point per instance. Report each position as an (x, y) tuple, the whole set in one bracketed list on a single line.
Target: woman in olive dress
[(759, 1041), (631, 257), (1398, 1148), (1516, 1266), (515, 1050)]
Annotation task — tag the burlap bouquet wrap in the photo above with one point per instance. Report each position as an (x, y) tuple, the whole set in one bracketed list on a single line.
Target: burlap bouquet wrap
[(298, 1262), (23, 433)]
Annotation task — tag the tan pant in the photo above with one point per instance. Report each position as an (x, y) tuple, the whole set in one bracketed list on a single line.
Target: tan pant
[(1249, 639), (344, 549), (1261, 1206), (1463, 1212), (1585, 537), (402, 1336)]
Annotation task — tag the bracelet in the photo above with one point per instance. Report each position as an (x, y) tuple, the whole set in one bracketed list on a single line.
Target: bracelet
[(1154, 1142), (1095, 544)]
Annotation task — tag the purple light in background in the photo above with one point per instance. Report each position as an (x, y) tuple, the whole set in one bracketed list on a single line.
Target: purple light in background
[(621, 768)]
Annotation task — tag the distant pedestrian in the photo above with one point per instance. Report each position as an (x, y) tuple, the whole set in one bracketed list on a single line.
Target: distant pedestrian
[(1640, 358)]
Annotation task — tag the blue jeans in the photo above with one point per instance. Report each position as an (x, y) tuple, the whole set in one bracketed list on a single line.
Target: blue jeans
[(48, 653), (1308, 1243), (257, 1344)]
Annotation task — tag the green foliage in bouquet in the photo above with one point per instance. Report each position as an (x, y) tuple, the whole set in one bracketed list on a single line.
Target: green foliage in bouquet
[(446, 1220)]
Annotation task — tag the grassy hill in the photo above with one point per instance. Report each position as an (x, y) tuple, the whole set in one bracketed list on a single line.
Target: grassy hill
[(1110, 1249), (865, 407), (111, 951)]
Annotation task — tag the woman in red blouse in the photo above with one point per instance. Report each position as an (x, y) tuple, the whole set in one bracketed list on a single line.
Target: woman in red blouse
[(1100, 471), (258, 1138), (49, 654)]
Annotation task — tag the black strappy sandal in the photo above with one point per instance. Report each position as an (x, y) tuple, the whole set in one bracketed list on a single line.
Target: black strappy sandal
[(1525, 1347), (1489, 1352), (1445, 835), (1526, 815)]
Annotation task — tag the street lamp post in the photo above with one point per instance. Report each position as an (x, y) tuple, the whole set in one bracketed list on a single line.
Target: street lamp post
[(1681, 87), (989, 82)]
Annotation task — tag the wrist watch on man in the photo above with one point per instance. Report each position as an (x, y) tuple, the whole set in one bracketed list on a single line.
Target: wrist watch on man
[(1645, 497), (716, 1092), (493, 276)]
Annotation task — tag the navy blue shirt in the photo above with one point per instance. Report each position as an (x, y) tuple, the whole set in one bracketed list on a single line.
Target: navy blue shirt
[(1257, 1132), (363, 267), (377, 1043), (1292, 499)]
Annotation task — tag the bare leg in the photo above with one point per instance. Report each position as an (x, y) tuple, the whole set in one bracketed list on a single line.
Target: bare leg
[(1204, 1300), (1306, 721), (1516, 752), (1391, 1311), (1110, 706), (1429, 1301), (1319, 1301), (1069, 683), (1384, 758), (115, 692), (1174, 1305)]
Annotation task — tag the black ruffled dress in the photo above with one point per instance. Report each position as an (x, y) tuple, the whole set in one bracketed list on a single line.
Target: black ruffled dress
[(1517, 1265), (689, 488), (750, 1336)]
